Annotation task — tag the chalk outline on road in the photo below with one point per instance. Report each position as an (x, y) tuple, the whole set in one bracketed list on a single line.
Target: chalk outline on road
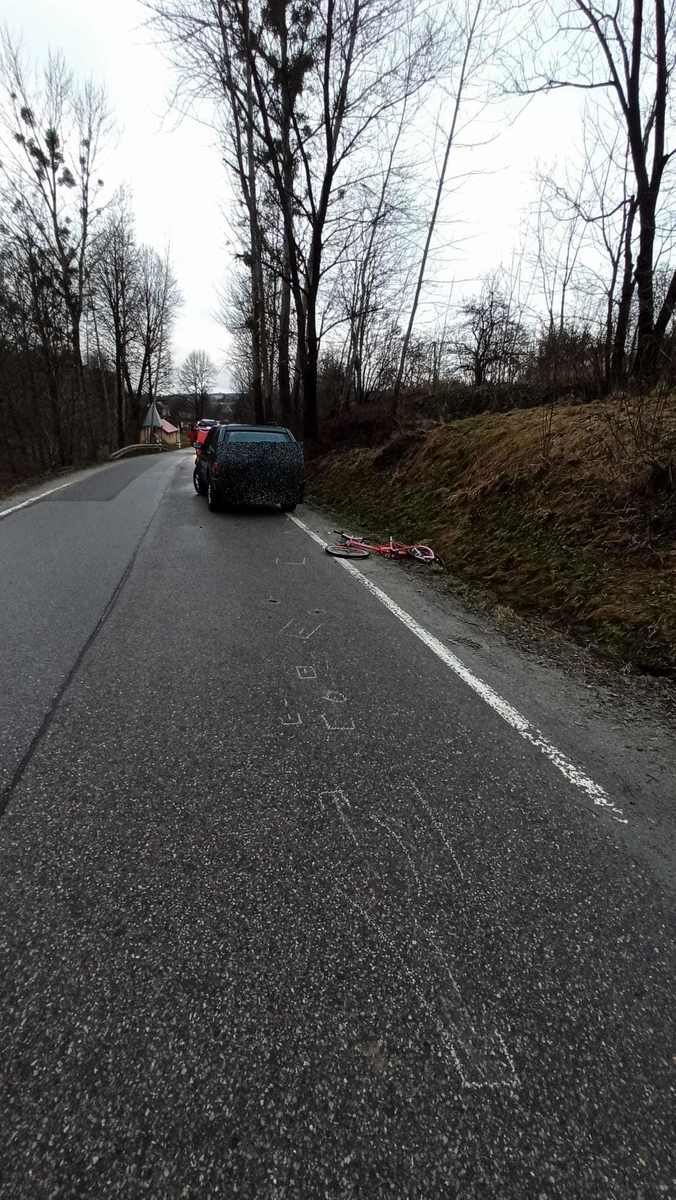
[(350, 728), (451, 1034), (301, 631), (458, 1030), (529, 732)]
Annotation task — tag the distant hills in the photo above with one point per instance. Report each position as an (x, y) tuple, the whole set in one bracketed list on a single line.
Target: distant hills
[(177, 406)]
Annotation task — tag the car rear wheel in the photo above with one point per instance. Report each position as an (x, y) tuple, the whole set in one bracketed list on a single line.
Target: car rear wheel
[(197, 483)]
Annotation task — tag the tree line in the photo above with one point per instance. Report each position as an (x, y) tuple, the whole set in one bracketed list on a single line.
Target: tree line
[(86, 310), (342, 125), (342, 122)]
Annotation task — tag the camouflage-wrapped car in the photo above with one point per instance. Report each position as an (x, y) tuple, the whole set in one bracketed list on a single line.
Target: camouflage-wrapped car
[(250, 464)]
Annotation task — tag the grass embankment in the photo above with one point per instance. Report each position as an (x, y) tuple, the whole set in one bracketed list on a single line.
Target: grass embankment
[(576, 522)]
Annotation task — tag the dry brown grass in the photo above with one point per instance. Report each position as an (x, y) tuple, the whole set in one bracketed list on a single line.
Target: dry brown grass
[(582, 529)]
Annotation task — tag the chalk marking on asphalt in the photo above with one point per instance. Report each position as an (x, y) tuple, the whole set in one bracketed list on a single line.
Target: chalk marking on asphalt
[(290, 723), (338, 728), (301, 631), (340, 802), (434, 1018), (530, 733), (402, 846), (438, 828), (34, 499), (450, 1033), (448, 1030), (446, 965), (335, 697), (306, 673)]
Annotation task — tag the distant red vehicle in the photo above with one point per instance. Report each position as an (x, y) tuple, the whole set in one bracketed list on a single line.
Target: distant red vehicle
[(200, 430)]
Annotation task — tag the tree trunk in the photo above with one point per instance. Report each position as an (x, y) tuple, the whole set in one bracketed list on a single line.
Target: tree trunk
[(256, 382), (283, 364), (469, 36), (119, 397), (646, 356), (310, 415), (84, 413), (287, 182), (310, 370), (619, 350), (261, 383)]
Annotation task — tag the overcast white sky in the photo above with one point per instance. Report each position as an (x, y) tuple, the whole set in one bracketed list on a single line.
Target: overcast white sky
[(179, 185)]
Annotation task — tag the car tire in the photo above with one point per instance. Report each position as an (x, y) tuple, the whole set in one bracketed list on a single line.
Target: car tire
[(198, 484), (212, 499), (288, 508)]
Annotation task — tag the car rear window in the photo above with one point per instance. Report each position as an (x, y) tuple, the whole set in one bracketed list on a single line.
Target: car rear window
[(258, 435)]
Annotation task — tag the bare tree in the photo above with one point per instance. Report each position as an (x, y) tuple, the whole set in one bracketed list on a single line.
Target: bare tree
[(305, 86), (117, 281), (195, 378), (77, 295), (149, 365), (51, 139), (491, 347), (470, 34), (596, 215), (35, 338), (370, 279), (628, 52)]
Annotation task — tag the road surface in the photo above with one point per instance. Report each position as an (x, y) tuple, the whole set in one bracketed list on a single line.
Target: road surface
[(312, 887)]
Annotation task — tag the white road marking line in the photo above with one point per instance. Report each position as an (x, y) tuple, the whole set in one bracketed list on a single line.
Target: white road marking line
[(34, 499), (530, 733)]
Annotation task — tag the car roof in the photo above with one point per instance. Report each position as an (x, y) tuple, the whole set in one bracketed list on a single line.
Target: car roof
[(265, 428)]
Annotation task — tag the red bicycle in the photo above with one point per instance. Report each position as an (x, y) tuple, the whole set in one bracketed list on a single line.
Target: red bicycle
[(349, 546)]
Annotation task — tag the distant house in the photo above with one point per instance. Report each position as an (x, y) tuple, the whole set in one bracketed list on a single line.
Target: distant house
[(151, 429), (170, 433)]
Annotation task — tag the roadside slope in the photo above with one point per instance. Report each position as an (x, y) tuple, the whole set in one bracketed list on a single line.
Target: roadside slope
[(565, 512)]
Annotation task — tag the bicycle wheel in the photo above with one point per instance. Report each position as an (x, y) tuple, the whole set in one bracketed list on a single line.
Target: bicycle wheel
[(345, 538), (421, 553), (339, 551)]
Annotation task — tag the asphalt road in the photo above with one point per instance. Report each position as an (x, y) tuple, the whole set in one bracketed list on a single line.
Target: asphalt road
[(288, 907)]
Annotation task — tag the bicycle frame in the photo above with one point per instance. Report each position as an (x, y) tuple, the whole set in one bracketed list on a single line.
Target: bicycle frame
[(391, 549)]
